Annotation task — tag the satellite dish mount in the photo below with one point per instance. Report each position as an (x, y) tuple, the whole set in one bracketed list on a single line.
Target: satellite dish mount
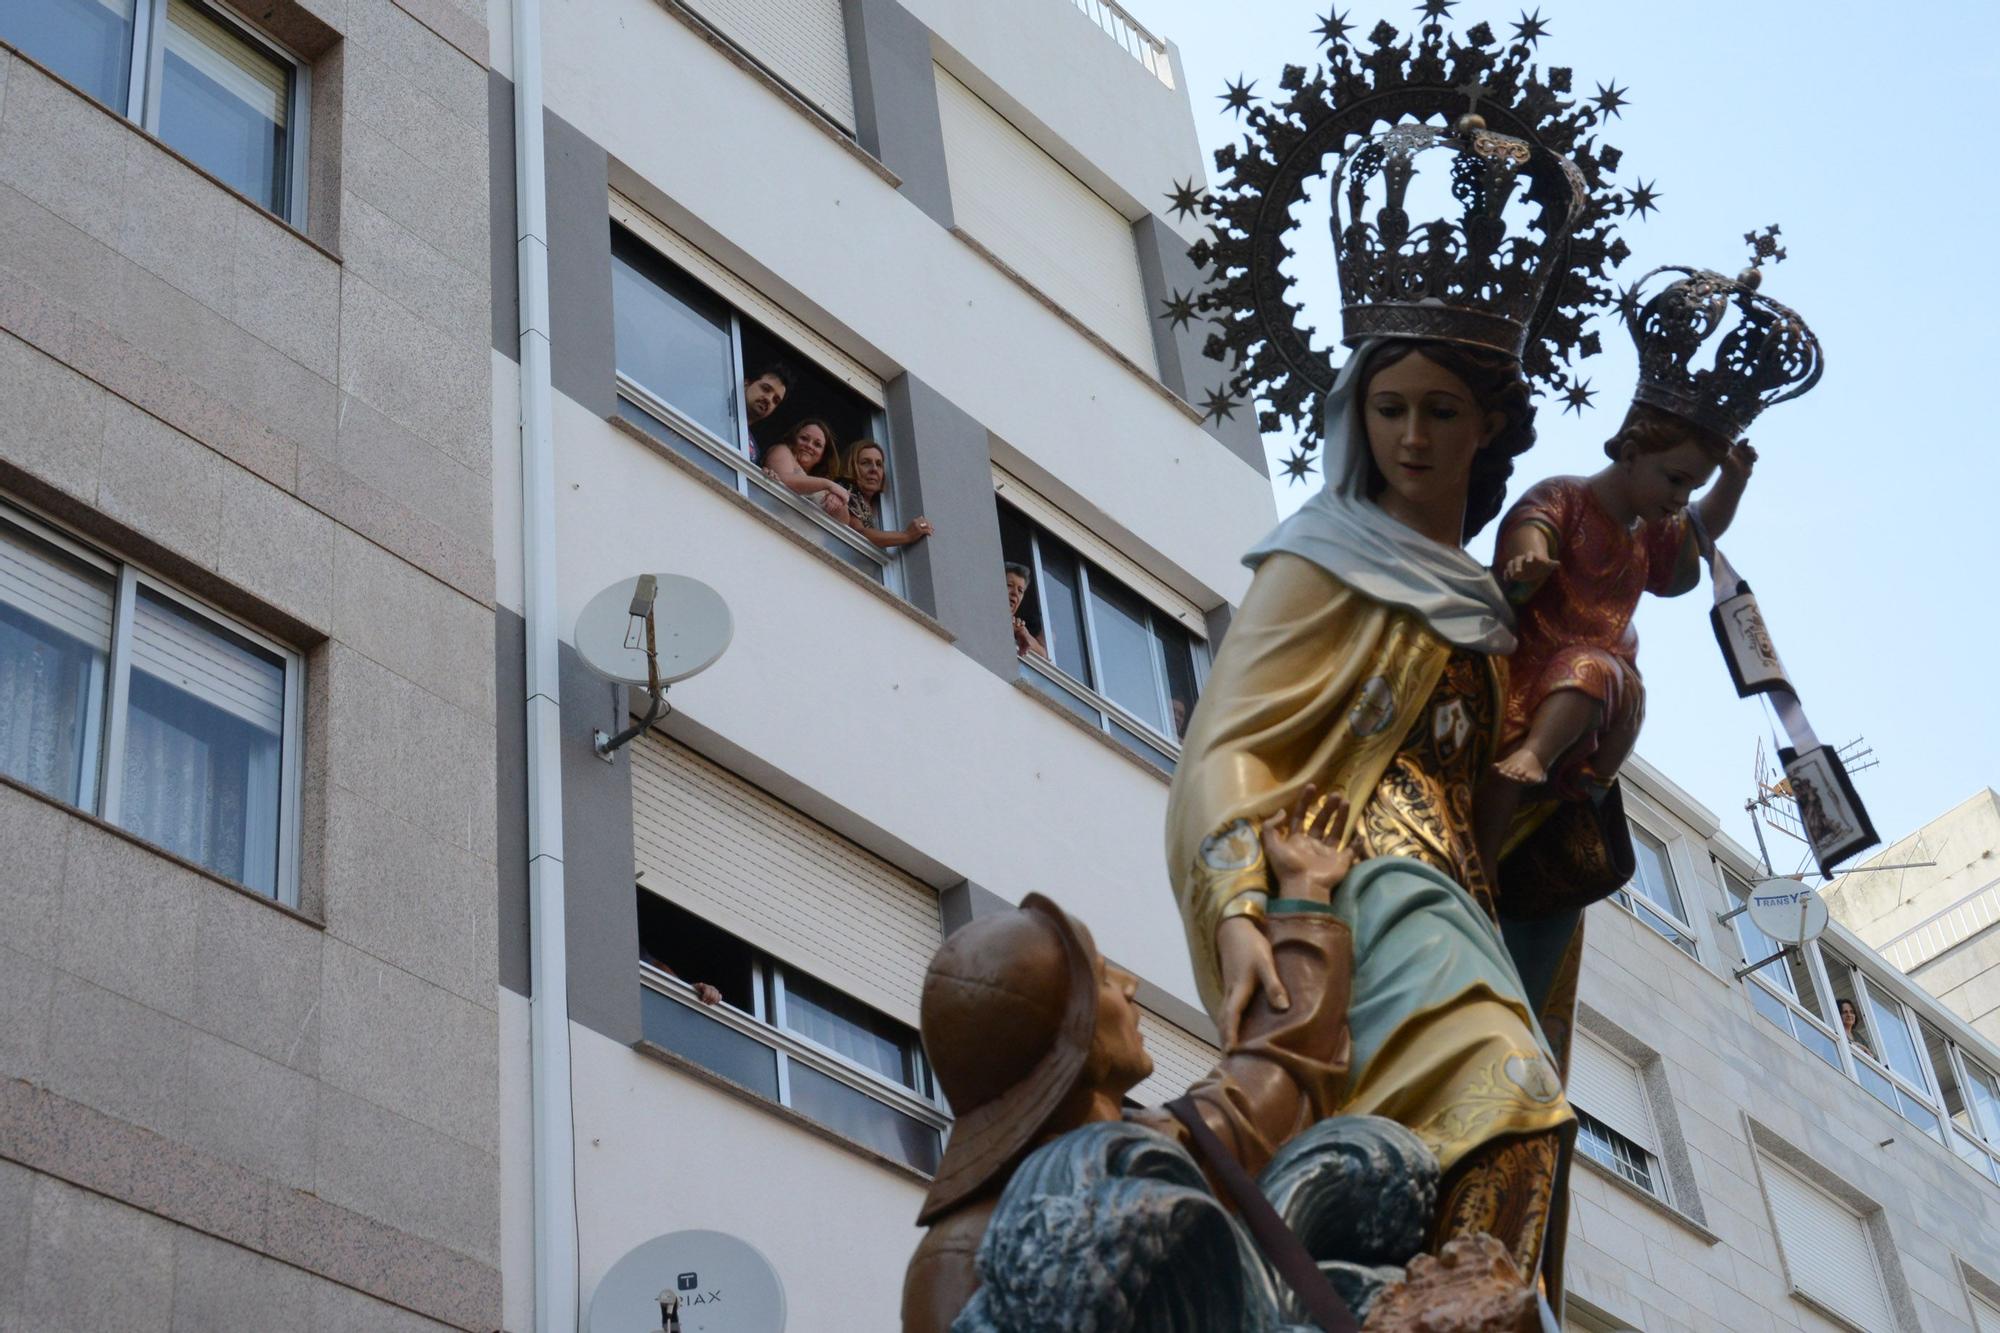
[(618, 636), (643, 597)]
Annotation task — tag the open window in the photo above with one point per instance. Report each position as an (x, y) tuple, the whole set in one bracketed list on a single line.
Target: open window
[(1782, 990), (1102, 651), (698, 354), (786, 1036)]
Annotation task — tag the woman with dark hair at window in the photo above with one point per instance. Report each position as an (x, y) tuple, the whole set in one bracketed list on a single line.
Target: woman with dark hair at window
[(867, 476), (1850, 1024), (805, 461)]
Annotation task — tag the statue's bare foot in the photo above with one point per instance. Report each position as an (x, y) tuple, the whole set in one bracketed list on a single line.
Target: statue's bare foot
[(1522, 767), (1471, 1286)]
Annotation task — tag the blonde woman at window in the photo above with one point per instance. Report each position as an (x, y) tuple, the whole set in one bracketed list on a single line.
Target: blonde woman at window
[(867, 476), (805, 462)]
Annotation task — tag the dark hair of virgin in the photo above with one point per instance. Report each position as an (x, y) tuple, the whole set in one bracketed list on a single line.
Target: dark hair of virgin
[(1498, 386)]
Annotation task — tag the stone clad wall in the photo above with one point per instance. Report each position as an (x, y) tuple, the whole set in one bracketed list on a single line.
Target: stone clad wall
[(216, 1113)]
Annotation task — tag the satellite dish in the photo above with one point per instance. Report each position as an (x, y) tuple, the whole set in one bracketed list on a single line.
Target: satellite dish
[(725, 1285), (1787, 911), (691, 621)]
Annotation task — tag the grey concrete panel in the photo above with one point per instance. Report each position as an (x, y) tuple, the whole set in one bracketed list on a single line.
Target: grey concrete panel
[(598, 871), (580, 329), (965, 901), (943, 469), (598, 874), (505, 277), (510, 753), (218, 1285), (256, 978), (408, 1046), (403, 1175), (95, 1264), (895, 100), (1164, 268), (1218, 622)]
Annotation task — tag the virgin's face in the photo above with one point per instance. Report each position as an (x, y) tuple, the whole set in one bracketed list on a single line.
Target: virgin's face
[(1424, 429), (1659, 484), (870, 475), (809, 446)]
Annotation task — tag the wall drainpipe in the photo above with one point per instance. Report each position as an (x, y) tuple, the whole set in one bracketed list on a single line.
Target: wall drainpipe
[(556, 1296)]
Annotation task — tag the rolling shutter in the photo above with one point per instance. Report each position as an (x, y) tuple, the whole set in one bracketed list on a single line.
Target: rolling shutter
[(1828, 1251), (1044, 223), (1179, 1058), (801, 43), (1610, 1088), (711, 843), (1985, 1315)]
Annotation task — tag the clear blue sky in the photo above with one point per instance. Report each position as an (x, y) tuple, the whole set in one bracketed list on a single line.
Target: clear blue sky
[(1870, 530)]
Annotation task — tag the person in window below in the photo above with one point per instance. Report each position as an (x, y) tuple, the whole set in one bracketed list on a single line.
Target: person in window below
[(805, 462), (704, 992), (764, 391), (1850, 1023), (867, 477), (1018, 579)]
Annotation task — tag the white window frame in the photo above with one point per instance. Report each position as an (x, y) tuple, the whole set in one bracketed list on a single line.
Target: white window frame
[(1109, 712), (749, 479), (768, 1029), (105, 794), (1588, 1134), (1641, 907), (1984, 1137), (143, 84)]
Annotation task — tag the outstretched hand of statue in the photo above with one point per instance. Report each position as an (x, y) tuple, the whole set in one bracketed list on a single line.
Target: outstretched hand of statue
[(1304, 849)]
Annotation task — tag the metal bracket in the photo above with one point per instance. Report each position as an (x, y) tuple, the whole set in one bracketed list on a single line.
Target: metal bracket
[(642, 605), (1748, 968)]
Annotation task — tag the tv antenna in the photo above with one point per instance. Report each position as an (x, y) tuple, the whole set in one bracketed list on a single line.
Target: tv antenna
[(619, 636), (1774, 803)]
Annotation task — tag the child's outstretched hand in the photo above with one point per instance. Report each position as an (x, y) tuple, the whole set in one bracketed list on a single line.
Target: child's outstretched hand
[(1739, 463), (1530, 567), (1304, 848)]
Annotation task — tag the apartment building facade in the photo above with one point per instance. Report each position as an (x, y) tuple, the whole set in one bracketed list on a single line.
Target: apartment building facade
[(247, 961), (1930, 903), (265, 626)]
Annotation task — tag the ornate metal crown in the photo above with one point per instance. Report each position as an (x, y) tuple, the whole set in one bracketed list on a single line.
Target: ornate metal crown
[(1767, 355), (1402, 82), (1466, 281)]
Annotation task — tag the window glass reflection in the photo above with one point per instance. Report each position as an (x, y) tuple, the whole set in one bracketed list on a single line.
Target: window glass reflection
[(55, 638), (673, 339), (224, 102), (87, 42), (202, 743)]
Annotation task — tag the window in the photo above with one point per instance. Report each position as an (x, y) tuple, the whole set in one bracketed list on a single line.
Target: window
[(801, 43), (1969, 1095), (1830, 1257), (1614, 1116), (210, 87), (1782, 990), (1653, 896), (122, 697), (1985, 1314), (684, 355), (1883, 1046), (1114, 659), (786, 1036)]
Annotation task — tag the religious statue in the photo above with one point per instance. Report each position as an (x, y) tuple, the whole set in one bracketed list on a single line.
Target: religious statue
[(1391, 966), (1575, 553)]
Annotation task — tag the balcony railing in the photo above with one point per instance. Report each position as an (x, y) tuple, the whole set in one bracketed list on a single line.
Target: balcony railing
[(1131, 34)]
